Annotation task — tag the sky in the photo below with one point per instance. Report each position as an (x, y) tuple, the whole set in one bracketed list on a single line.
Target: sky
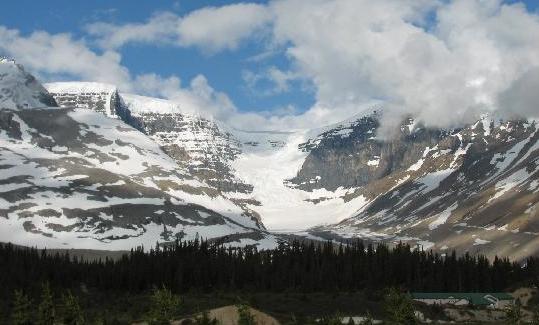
[(290, 64)]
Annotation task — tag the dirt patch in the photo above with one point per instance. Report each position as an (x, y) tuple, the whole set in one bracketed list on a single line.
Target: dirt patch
[(229, 315), (524, 295), (475, 315)]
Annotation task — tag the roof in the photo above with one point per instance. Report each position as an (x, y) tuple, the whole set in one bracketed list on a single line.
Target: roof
[(475, 298)]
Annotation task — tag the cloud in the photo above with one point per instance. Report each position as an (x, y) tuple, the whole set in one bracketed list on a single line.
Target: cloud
[(196, 98), (444, 72), (159, 29), (53, 57), (221, 28), (211, 29), (58, 55), (279, 81), (522, 96), (443, 62)]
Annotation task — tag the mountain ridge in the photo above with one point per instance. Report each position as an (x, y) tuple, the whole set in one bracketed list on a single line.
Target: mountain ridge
[(73, 177), (344, 181)]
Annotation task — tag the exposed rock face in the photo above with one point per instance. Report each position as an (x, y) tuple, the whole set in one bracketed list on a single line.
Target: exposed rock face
[(197, 144), (352, 156), (102, 98)]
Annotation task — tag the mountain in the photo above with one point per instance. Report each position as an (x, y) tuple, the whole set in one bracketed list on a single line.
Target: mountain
[(19, 89), (252, 169), (72, 177), (472, 189)]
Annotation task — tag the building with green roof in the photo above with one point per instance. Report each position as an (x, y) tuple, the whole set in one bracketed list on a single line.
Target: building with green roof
[(496, 300)]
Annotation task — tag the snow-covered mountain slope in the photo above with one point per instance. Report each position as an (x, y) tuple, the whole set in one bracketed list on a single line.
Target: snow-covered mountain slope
[(474, 188), (72, 177), (250, 168), (19, 89)]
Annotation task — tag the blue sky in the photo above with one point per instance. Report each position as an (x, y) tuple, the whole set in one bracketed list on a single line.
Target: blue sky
[(223, 70), (320, 80)]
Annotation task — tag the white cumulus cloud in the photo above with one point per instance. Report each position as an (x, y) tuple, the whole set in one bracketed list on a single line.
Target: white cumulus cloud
[(53, 57), (443, 72), (443, 62), (211, 29)]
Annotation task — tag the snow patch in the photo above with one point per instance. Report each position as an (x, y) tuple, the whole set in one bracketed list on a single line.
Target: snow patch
[(442, 217)]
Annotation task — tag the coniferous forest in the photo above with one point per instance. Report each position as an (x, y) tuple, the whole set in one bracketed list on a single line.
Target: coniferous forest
[(298, 279), (296, 266)]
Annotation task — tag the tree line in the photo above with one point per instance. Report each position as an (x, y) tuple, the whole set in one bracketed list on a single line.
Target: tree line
[(294, 266), (166, 307)]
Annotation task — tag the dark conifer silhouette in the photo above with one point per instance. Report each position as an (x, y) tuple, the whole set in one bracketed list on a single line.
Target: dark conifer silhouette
[(20, 312), (295, 266), (46, 311)]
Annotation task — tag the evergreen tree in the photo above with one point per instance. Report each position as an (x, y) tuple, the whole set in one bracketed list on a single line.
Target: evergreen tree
[(294, 266), (204, 319), (46, 312), (399, 308), (72, 313), (513, 313), (164, 306), (368, 320), (98, 321), (296, 321), (20, 314), (535, 317), (245, 316), (330, 320)]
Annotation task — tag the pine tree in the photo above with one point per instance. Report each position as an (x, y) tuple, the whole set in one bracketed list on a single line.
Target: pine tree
[(72, 312), (99, 321), (368, 320), (513, 313), (46, 312), (535, 317), (331, 320), (399, 308), (204, 319), (20, 314), (164, 306), (245, 316)]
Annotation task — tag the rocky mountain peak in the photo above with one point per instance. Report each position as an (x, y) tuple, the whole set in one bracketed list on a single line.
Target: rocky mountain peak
[(79, 176), (19, 89)]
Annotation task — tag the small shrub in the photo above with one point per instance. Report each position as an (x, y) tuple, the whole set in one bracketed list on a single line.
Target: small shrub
[(164, 306), (46, 311), (204, 319), (513, 313), (245, 316), (399, 308), (20, 314), (72, 312)]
